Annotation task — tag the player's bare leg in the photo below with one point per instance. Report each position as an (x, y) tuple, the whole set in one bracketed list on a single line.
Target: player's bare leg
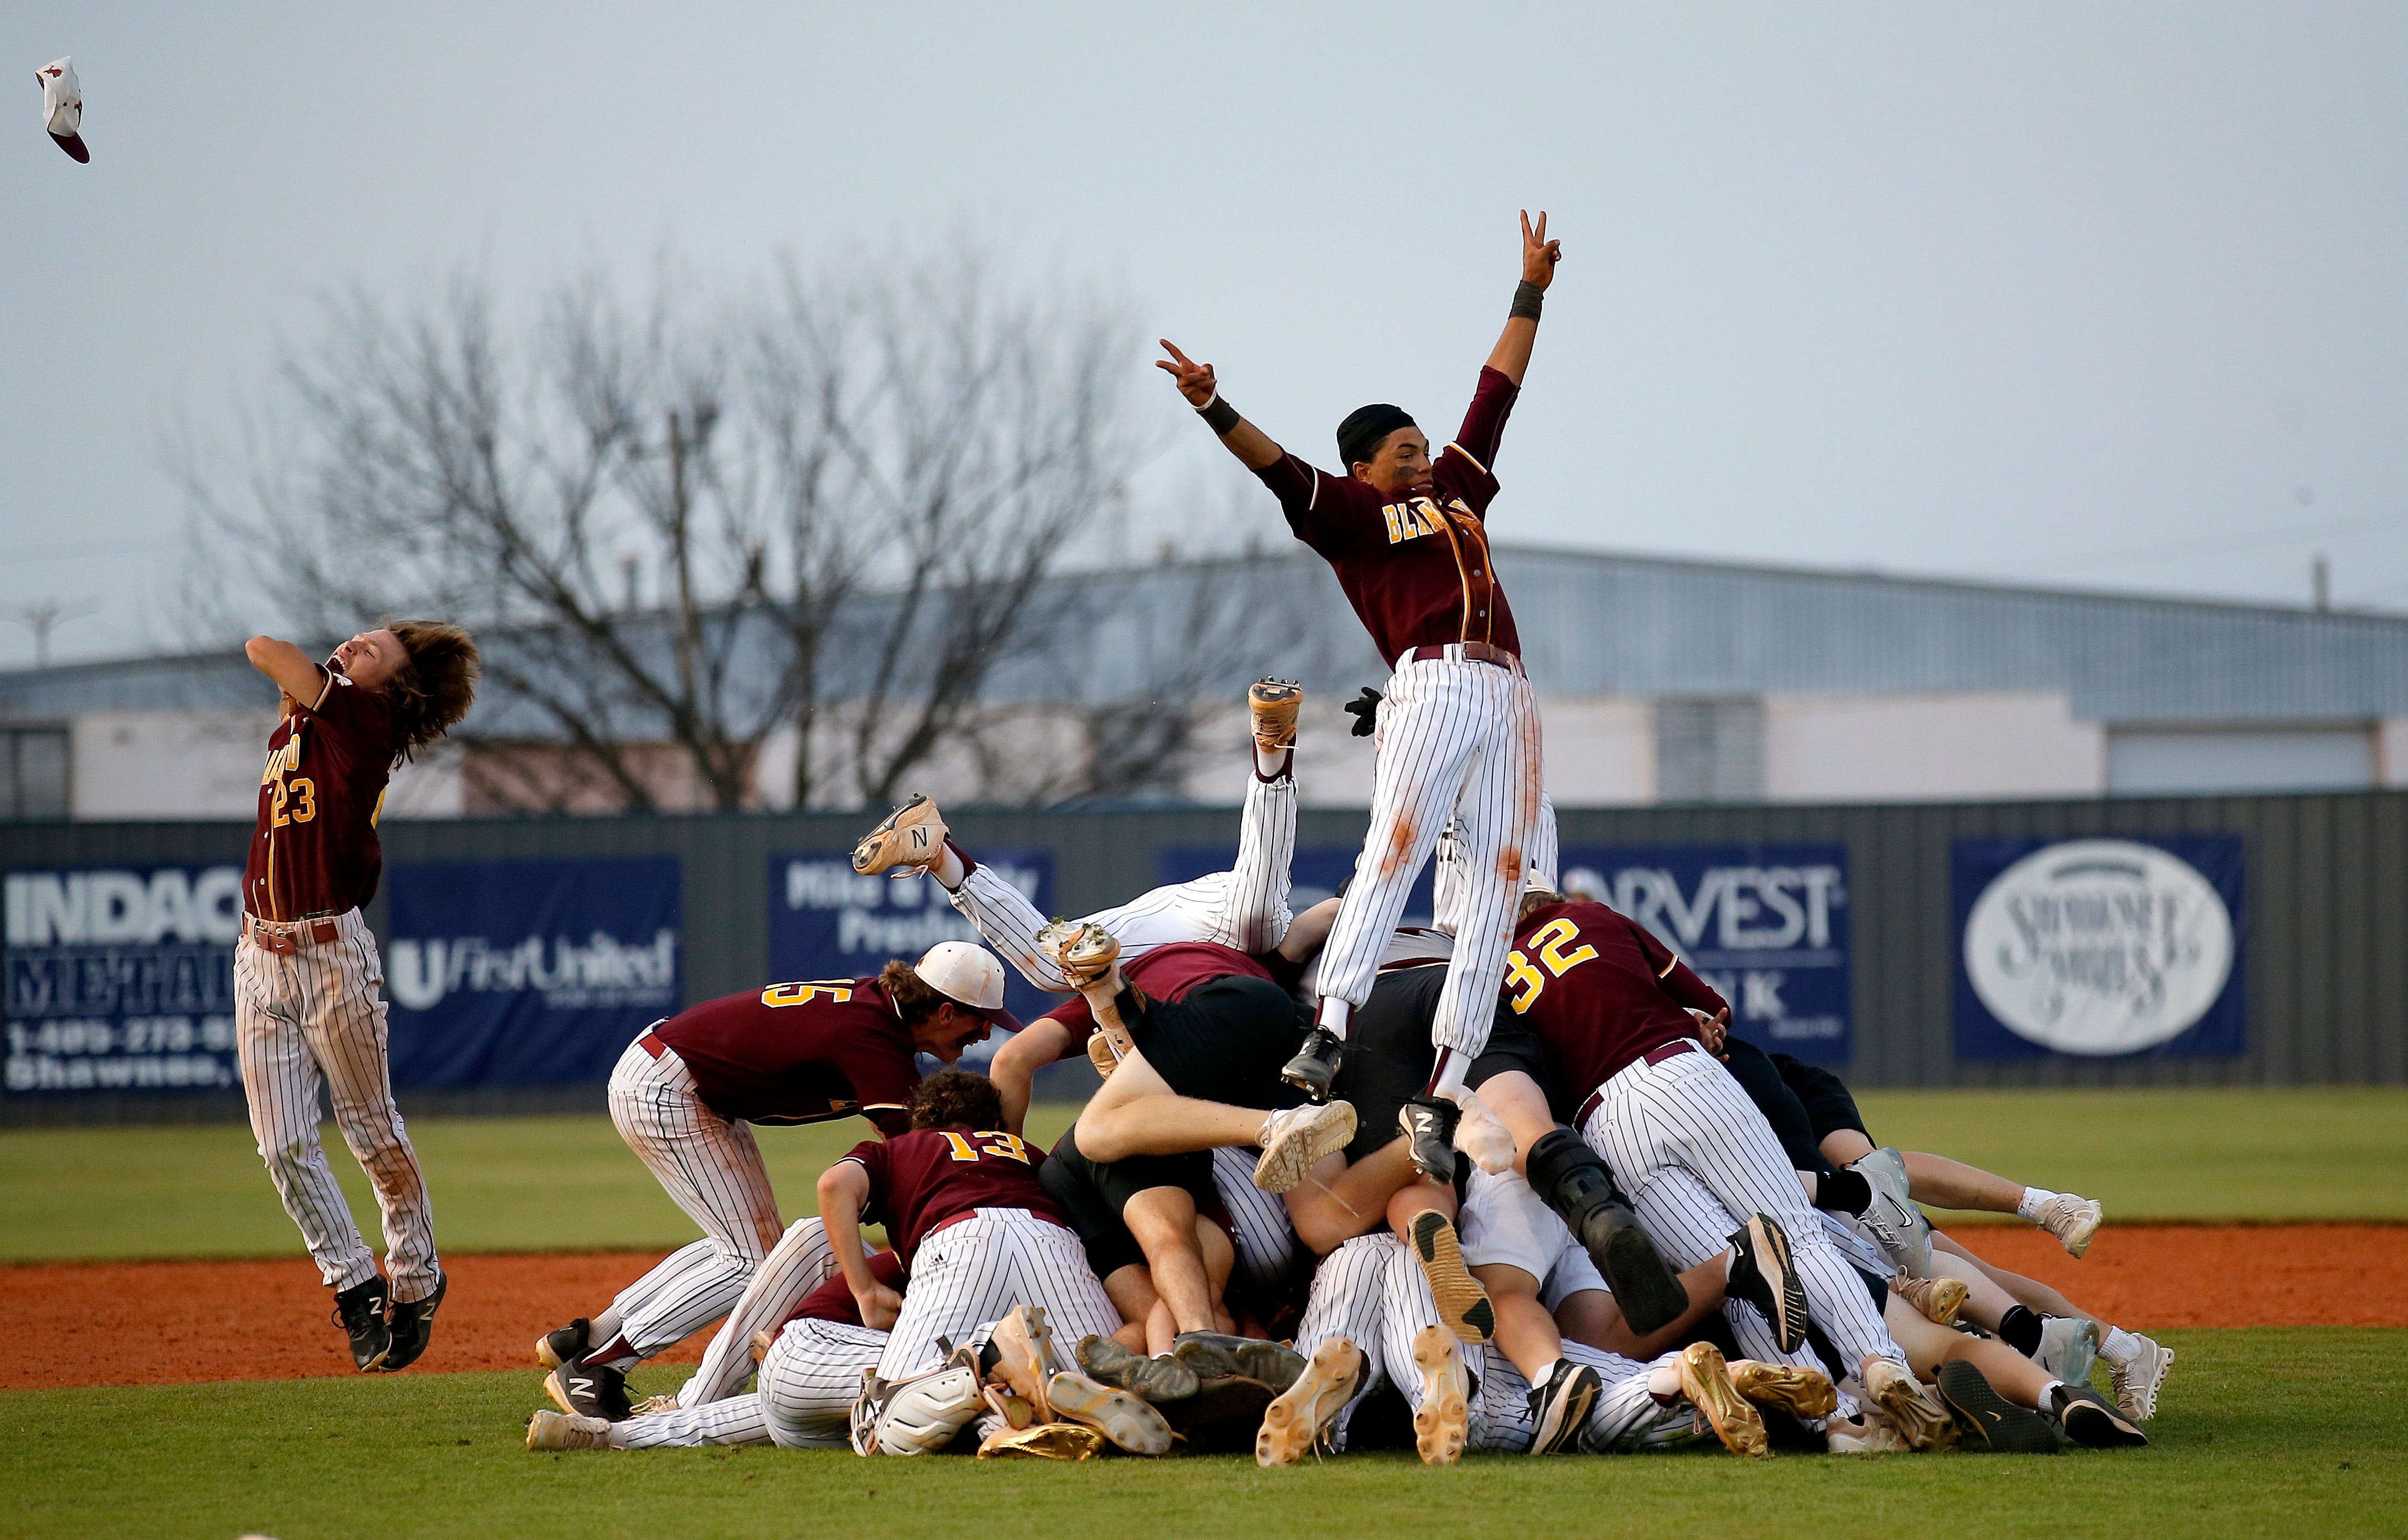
[(1944, 1183)]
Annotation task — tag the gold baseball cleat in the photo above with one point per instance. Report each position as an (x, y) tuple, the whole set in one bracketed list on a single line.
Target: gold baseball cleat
[(1443, 1420), (1299, 1417), (912, 837), (1800, 1392), (1705, 1379), (1939, 1299)]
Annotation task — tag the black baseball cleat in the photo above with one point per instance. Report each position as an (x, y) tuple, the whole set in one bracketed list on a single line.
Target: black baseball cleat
[(359, 1310), (583, 1389), (1560, 1407), (2088, 1419), (1428, 1125), (1315, 1066), (1763, 1273), (1156, 1379), (572, 1341), (1217, 1355), (1990, 1417), (413, 1325), (1574, 1181)]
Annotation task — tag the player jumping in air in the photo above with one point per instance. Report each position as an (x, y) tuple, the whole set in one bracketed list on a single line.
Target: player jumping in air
[(308, 988)]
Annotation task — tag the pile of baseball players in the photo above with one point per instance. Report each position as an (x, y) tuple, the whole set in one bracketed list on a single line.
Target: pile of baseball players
[(1503, 1183)]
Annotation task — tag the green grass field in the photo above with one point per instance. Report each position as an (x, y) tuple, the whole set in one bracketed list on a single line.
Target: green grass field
[(2299, 1431), (543, 1184)]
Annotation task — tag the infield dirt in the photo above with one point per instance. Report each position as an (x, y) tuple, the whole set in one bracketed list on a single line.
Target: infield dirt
[(174, 1322)]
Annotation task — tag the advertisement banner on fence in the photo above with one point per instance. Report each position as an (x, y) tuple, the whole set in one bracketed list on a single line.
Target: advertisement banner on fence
[(120, 978), (528, 973), (1766, 925), (828, 921), (2098, 947)]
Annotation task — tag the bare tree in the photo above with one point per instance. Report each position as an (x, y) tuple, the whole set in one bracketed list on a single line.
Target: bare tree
[(846, 490)]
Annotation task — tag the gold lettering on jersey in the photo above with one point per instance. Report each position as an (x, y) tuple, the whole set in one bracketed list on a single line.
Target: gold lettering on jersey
[(284, 761), (1416, 516)]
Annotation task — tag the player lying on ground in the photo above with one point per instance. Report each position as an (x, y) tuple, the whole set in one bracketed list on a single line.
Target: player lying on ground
[(1459, 737), (308, 988), (682, 1094)]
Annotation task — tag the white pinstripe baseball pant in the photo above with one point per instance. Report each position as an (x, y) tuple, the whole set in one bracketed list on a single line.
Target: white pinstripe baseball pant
[(319, 1013), (1244, 907), (809, 1379), (1258, 1222), (1348, 1299), (1541, 868), (800, 1262), (1458, 741), (1697, 1157), (710, 1168), (970, 1274)]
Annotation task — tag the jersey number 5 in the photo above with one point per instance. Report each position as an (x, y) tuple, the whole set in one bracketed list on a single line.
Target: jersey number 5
[(804, 993), (1008, 1146), (1525, 980)]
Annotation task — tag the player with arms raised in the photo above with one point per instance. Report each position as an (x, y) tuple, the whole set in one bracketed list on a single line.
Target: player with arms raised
[(309, 988)]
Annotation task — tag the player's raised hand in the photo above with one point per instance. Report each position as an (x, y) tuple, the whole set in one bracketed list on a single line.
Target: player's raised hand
[(1196, 380), (1538, 254)]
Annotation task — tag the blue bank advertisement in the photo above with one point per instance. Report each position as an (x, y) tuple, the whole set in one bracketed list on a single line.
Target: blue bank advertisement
[(828, 921), (528, 973), (2099, 948), (120, 978), (1766, 925)]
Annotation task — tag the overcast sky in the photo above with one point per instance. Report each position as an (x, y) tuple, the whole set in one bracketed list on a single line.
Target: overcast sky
[(2102, 294)]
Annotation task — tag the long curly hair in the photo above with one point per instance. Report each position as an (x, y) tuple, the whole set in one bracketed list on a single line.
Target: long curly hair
[(436, 688), (955, 1098)]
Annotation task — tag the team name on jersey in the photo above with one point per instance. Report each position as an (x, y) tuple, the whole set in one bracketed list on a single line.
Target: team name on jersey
[(1416, 516), (284, 761)]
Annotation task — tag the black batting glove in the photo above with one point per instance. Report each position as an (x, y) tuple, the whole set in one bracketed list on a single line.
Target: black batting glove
[(1366, 711)]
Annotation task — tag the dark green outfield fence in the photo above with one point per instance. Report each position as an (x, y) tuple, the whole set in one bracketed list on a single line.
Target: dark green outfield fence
[(2324, 921)]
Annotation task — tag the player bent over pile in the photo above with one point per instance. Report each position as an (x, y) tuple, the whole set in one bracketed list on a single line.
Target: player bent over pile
[(309, 988)]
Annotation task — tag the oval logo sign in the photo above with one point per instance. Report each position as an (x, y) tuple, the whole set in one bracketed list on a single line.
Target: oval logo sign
[(2099, 946)]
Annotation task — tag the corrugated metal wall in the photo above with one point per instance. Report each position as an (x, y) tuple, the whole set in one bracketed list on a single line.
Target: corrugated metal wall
[(2325, 909)]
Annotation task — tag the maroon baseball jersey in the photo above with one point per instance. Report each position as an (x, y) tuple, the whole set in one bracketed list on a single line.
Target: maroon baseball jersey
[(834, 1301), (314, 850), (919, 1181), (1416, 567), (800, 1053), (1165, 973), (1602, 992)]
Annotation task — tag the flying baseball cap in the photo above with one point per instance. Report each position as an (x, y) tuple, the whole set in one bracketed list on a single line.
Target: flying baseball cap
[(63, 105), (969, 977)]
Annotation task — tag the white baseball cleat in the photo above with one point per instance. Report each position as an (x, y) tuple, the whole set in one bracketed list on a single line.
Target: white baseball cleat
[(1443, 1421), (1481, 1134), (62, 107), (1919, 1416), (1896, 1225), (1294, 1139), (2069, 1345), (1125, 1420), (1084, 952), (1870, 1435), (1024, 1349), (912, 839), (2074, 1221), (1274, 705), (550, 1429), (2135, 1379), (1300, 1417)]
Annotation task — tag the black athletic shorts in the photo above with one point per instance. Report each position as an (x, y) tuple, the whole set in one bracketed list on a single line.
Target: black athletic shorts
[(1830, 1107), (1389, 1057), (1757, 1075), (1093, 1196), (1226, 1042)]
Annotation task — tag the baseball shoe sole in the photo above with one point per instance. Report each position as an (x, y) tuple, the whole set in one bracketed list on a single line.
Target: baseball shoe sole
[(1156, 1379), (1988, 1415), (1800, 1392), (912, 837), (1046, 1441), (554, 1349), (1443, 1421), (1706, 1381), (1924, 1423), (1783, 1298), (1939, 1300), (567, 1431), (1025, 1357), (2074, 1221), (1120, 1417), (1217, 1355), (1295, 1139), (1315, 1065), (2069, 1346), (2088, 1420), (1299, 1415), (1274, 704), (2136, 1380), (1083, 952), (1560, 1408), (1463, 1306)]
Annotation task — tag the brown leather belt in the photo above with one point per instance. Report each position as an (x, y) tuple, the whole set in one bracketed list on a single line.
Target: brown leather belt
[(1471, 652), (1654, 1056), (285, 937)]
